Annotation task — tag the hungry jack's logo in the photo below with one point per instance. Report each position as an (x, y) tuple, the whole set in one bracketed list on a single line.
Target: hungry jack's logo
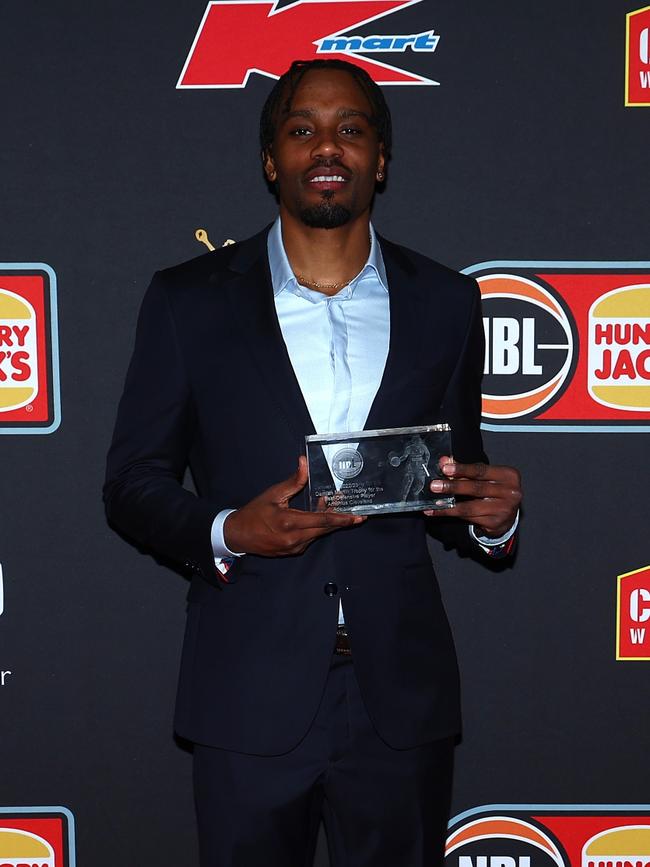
[(29, 369), (567, 345), (36, 837), (238, 37), (637, 58)]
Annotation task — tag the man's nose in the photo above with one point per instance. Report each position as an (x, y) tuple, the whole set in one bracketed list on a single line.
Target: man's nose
[(326, 145)]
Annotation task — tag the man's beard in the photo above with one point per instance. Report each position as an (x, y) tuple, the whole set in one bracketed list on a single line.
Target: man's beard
[(327, 214)]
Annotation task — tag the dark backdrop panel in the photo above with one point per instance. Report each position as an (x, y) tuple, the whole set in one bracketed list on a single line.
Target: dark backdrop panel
[(525, 151)]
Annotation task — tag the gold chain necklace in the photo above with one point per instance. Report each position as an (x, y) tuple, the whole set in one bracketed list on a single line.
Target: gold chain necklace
[(302, 279)]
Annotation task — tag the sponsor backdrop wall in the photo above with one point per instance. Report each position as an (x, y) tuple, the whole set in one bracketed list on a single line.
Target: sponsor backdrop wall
[(521, 156)]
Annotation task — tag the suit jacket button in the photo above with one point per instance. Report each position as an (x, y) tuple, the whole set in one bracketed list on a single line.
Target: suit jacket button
[(330, 589)]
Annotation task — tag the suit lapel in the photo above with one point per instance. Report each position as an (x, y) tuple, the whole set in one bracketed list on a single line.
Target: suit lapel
[(405, 333), (251, 298)]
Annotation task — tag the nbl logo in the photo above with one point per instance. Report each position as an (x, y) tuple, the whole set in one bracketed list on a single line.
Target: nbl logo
[(502, 841), (550, 836), (347, 463), (530, 345), (29, 371), (567, 345)]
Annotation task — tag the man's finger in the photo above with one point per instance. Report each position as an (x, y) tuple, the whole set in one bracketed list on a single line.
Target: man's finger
[(295, 519), (299, 529), (486, 472), (476, 511), (470, 488)]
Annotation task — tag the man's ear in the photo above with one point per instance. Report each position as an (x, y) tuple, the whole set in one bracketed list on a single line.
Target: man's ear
[(381, 163), (269, 166)]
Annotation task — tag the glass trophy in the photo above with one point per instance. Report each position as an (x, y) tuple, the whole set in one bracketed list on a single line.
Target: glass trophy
[(372, 472)]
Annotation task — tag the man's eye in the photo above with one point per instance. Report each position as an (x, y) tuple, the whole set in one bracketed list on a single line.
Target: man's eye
[(351, 130), (300, 131)]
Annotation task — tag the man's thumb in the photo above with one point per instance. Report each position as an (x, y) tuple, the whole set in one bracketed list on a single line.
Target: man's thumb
[(294, 483)]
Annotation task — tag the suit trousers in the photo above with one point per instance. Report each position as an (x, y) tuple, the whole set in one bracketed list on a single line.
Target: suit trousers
[(381, 807)]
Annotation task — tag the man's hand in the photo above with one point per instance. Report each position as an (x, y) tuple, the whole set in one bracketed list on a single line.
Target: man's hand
[(494, 495), (267, 525)]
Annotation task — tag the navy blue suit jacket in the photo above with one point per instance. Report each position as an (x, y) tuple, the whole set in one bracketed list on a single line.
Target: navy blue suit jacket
[(211, 385)]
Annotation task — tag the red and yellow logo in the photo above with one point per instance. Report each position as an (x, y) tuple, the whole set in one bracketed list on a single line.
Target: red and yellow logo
[(567, 345), (237, 38), (23, 849), (29, 375), (36, 837), (566, 835), (629, 844), (619, 348), (633, 615), (637, 58)]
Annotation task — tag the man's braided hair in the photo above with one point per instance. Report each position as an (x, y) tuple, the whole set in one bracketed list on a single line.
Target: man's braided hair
[(280, 98)]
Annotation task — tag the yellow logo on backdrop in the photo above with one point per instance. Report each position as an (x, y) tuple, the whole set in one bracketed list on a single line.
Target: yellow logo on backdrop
[(18, 846), (627, 845)]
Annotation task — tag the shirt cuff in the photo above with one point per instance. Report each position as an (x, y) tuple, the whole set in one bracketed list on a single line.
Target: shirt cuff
[(220, 551), (488, 544)]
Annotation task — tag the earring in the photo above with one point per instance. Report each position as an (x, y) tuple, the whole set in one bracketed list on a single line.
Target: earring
[(380, 176)]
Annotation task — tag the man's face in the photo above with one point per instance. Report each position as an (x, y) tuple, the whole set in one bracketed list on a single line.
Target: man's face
[(326, 154)]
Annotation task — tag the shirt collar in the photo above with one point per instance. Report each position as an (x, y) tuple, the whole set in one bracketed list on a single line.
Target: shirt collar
[(283, 278)]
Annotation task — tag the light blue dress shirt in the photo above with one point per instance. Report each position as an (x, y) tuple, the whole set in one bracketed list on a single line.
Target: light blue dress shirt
[(337, 344)]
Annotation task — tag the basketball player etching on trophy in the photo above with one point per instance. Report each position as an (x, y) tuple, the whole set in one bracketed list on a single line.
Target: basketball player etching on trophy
[(376, 471)]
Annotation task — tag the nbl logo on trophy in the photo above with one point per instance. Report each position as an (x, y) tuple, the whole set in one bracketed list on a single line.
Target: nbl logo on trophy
[(567, 345), (29, 372)]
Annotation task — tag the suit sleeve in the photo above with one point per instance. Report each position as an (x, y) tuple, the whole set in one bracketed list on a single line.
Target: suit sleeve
[(143, 493)]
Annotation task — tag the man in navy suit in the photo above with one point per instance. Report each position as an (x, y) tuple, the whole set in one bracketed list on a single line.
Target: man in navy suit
[(318, 675)]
